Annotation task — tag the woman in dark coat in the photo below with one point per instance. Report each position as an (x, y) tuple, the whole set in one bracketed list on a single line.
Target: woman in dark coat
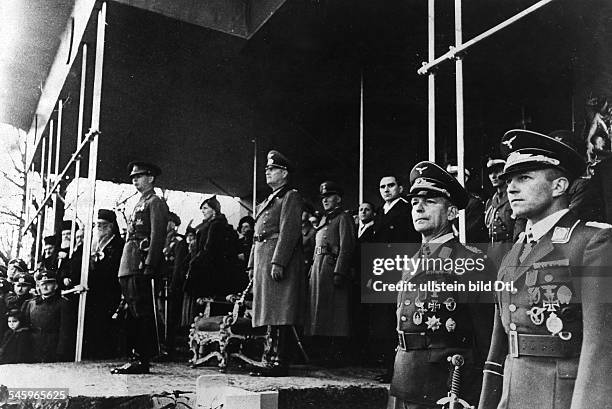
[(210, 275)]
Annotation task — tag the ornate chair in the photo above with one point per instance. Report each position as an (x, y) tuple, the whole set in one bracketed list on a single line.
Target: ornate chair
[(228, 336)]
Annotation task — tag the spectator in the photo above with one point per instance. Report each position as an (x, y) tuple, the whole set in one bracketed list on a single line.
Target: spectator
[(245, 229), (308, 237), (15, 266), (22, 285), (52, 321), (16, 345), (49, 260)]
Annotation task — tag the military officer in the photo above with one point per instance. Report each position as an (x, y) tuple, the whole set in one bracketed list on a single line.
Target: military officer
[(498, 215), (475, 230), (330, 275), (551, 338), (435, 324), (140, 261), (52, 320), (22, 284), (276, 264)]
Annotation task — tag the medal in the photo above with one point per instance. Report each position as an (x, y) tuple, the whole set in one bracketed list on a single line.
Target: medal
[(534, 295), (433, 305), (531, 278), (564, 294), (450, 304), (417, 318), (554, 324), (450, 325), (418, 303), (433, 323), (537, 315)]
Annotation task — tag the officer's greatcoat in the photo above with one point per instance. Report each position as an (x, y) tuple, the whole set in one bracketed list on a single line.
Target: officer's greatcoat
[(328, 305), (53, 327), (433, 326), (149, 221), (278, 240), (554, 332)]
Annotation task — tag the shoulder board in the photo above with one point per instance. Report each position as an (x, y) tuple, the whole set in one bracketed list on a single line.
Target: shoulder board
[(598, 225), (472, 248)]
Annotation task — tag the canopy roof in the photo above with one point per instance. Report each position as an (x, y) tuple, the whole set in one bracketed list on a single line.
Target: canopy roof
[(192, 99)]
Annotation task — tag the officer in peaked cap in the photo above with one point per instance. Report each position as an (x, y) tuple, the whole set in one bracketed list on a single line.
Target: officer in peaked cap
[(276, 263), (140, 262), (22, 284), (52, 320), (278, 160), (498, 213), (550, 340), (434, 326), (136, 168), (329, 279), (14, 267)]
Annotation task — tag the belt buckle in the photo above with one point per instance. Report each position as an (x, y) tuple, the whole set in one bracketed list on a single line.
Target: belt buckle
[(401, 340), (513, 344)]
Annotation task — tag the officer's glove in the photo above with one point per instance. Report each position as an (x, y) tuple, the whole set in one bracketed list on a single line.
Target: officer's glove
[(149, 271), (338, 280), (277, 272)]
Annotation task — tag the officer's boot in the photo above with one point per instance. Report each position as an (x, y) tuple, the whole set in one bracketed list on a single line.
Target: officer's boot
[(273, 359)]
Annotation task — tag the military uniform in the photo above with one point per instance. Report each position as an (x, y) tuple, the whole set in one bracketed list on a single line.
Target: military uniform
[(278, 240), (14, 301), (498, 218), (551, 338), (53, 324), (328, 303), (141, 258), (435, 324)]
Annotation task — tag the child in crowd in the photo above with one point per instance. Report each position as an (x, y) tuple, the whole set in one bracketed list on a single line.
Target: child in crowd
[(16, 345)]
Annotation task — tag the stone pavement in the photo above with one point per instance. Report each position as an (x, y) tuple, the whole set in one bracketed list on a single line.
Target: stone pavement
[(90, 384)]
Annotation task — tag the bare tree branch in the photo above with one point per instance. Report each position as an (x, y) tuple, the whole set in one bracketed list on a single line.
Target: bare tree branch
[(10, 179)]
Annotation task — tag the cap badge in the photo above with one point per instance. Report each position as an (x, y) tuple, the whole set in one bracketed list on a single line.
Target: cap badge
[(420, 170), (270, 161), (558, 139), (509, 142)]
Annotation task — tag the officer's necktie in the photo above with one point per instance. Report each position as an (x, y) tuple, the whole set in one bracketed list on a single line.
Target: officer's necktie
[(425, 250), (529, 243)]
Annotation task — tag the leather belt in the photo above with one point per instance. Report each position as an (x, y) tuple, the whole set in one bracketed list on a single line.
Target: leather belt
[(422, 340), (263, 237), (324, 250), (542, 346)]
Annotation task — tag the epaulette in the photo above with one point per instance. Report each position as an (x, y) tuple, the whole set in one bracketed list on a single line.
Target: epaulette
[(598, 225)]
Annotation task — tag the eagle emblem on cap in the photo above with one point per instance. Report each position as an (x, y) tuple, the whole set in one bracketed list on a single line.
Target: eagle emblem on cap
[(558, 139), (420, 170), (509, 142)]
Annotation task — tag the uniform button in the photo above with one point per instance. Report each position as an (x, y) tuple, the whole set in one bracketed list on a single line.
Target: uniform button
[(548, 278), (512, 326), (512, 307), (514, 290), (407, 302), (403, 318)]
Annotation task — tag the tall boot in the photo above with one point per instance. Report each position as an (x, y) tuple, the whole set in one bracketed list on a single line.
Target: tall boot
[(274, 357)]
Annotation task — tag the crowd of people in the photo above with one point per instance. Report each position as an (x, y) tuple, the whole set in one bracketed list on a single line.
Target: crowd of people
[(304, 266)]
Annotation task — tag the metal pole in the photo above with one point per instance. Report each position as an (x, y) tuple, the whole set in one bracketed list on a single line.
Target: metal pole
[(24, 206), (49, 167), (460, 124), (431, 85), (77, 166), (42, 204), (60, 110), (361, 140), (254, 175), (457, 50), (93, 167)]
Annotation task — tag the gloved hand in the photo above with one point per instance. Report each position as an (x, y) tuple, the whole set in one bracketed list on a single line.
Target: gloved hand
[(277, 272)]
